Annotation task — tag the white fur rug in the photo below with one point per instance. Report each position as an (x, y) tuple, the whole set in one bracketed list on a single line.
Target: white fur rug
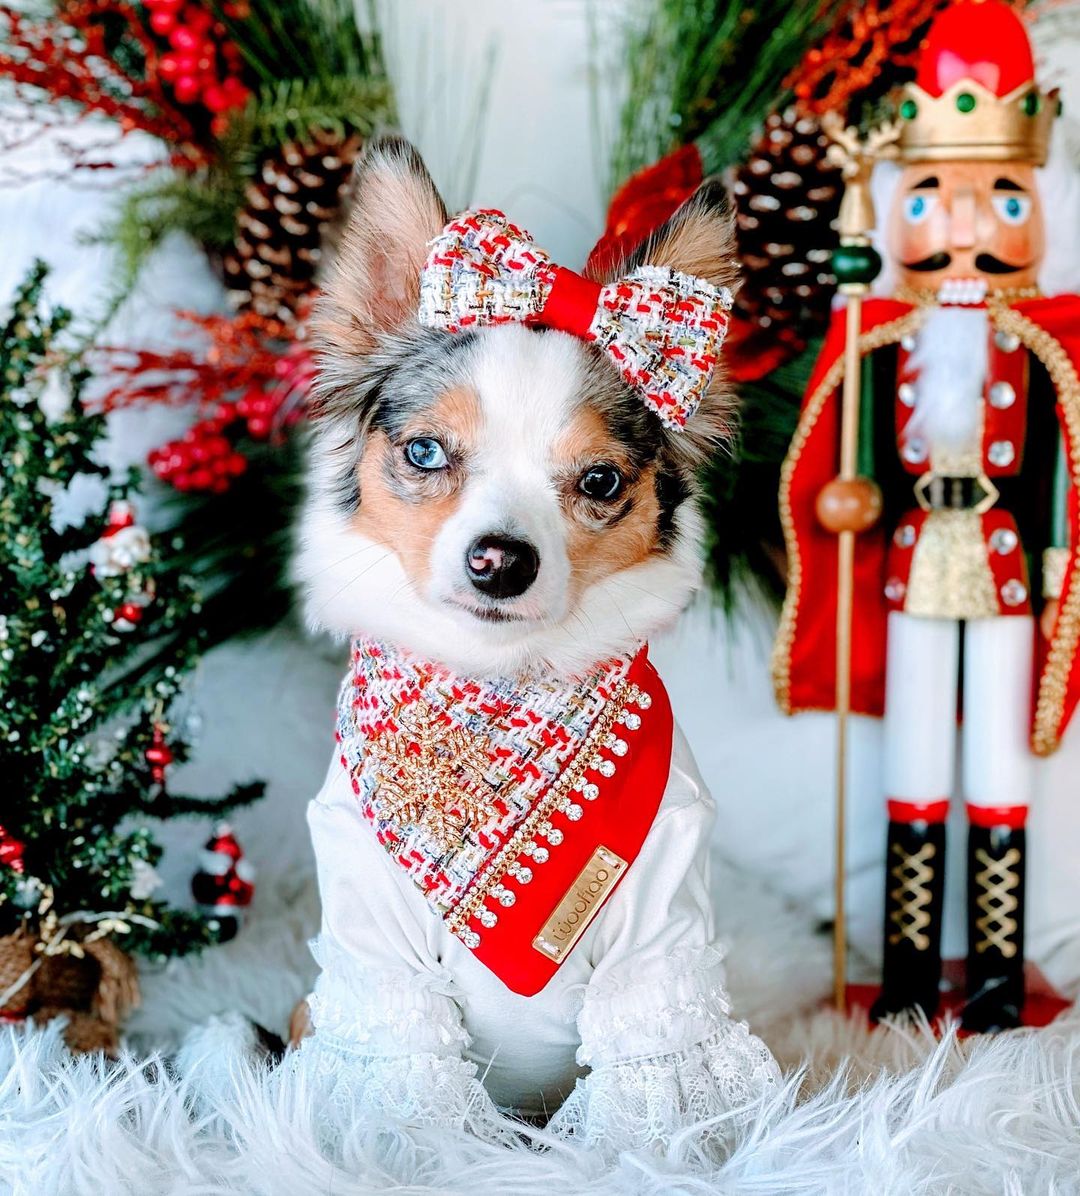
[(893, 1112)]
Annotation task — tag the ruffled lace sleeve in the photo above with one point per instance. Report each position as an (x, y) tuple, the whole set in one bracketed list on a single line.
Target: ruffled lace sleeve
[(388, 1044), (664, 1054), (388, 1038)]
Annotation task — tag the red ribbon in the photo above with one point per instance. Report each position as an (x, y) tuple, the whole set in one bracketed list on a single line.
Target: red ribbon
[(571, 303)]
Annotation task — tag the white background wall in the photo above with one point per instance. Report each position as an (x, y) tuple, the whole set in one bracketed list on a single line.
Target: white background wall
[(267, 705)]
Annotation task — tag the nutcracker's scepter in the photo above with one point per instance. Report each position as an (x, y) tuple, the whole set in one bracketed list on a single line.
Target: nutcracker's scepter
[(849, 504)]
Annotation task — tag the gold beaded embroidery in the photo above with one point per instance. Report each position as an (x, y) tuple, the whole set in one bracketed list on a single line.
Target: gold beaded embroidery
[(421, 765), (950, 574)]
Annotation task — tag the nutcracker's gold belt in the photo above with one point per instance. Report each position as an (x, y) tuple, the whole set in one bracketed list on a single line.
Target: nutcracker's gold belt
[(949, 492)]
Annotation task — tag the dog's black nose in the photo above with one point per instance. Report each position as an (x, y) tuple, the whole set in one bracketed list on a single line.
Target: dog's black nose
[(502, 568)]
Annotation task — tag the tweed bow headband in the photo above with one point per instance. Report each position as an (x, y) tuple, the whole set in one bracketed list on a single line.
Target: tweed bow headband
[(662, 330)]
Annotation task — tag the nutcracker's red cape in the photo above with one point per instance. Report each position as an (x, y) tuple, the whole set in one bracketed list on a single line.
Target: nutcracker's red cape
[(804, 661)]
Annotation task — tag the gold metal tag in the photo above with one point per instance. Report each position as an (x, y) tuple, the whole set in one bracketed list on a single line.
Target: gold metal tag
[(579, 905)]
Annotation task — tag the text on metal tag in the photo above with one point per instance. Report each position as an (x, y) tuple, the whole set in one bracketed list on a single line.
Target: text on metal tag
[(579, 904)]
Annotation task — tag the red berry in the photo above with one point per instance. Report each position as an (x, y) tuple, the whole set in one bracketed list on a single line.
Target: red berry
[(162, 22), (182, 38), (197, 19), (131, 611), (186, 89), (168, 67), (201, 478), (236, 464), (236, 93), (215, 99), (258, 427)]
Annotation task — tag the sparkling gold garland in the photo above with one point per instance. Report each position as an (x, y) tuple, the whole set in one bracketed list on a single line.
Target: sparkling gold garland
[(1053, 684)]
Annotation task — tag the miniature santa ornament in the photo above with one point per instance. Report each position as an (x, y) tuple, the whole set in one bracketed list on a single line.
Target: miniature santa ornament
[(225, 882), (966, 592), (122, 545)]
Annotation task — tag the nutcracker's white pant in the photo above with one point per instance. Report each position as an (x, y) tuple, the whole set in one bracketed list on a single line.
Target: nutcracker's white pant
[(921, 695)]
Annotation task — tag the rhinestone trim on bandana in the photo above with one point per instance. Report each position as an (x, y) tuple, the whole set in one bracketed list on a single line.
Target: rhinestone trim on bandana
[(471, 784)]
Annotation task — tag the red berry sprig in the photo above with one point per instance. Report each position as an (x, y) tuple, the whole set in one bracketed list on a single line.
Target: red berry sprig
[(202, 66), (204, 459)]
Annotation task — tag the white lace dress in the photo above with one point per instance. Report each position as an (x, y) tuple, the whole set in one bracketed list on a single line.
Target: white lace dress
[(628, 1044)]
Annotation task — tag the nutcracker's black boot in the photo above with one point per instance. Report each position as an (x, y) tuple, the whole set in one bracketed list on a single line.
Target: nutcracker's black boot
[(995, 966), (914, 895)]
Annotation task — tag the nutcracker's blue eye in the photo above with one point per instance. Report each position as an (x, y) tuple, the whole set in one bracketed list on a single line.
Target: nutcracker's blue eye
[(1013, 209), (917, 207), (425, 453)]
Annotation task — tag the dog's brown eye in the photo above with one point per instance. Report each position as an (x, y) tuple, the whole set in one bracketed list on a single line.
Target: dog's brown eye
[(425, 453), (601, 481)]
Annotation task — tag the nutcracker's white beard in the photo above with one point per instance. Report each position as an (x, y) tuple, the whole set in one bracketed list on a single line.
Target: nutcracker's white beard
[(950, 355)]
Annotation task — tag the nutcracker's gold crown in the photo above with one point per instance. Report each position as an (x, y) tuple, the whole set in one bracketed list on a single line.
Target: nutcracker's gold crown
[(969, 122)]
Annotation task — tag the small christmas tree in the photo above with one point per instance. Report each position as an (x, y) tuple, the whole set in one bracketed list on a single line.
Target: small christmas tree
[(96, 637)]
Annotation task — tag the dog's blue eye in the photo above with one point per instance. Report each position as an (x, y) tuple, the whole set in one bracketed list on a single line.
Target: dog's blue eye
[(601, 481), (425, 453)]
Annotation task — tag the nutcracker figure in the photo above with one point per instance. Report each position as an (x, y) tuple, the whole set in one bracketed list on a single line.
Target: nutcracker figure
[(966, 591)]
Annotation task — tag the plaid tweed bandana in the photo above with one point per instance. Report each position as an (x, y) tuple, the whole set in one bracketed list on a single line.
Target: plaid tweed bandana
[(472, 784)]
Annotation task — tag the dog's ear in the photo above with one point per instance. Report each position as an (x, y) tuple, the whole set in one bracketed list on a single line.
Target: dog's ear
[(374, 284), (699, 239)]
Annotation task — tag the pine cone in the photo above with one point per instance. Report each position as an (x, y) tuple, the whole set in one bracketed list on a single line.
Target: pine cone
[(786, 199), (297, 192)]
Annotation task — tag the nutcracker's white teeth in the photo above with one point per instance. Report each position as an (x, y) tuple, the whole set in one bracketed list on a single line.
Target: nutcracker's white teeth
[(962, 291)]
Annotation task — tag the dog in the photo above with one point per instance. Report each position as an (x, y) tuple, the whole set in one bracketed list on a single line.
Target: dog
[(512, 836)]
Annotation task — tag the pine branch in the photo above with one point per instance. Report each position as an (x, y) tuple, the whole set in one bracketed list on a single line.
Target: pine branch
[(309, 39), (706, 71), (202, 205), (79, 694), (288, 109), (172, 805)]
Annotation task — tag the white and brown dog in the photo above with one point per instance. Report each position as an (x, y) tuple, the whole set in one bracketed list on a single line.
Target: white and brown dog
[(512, 838)]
